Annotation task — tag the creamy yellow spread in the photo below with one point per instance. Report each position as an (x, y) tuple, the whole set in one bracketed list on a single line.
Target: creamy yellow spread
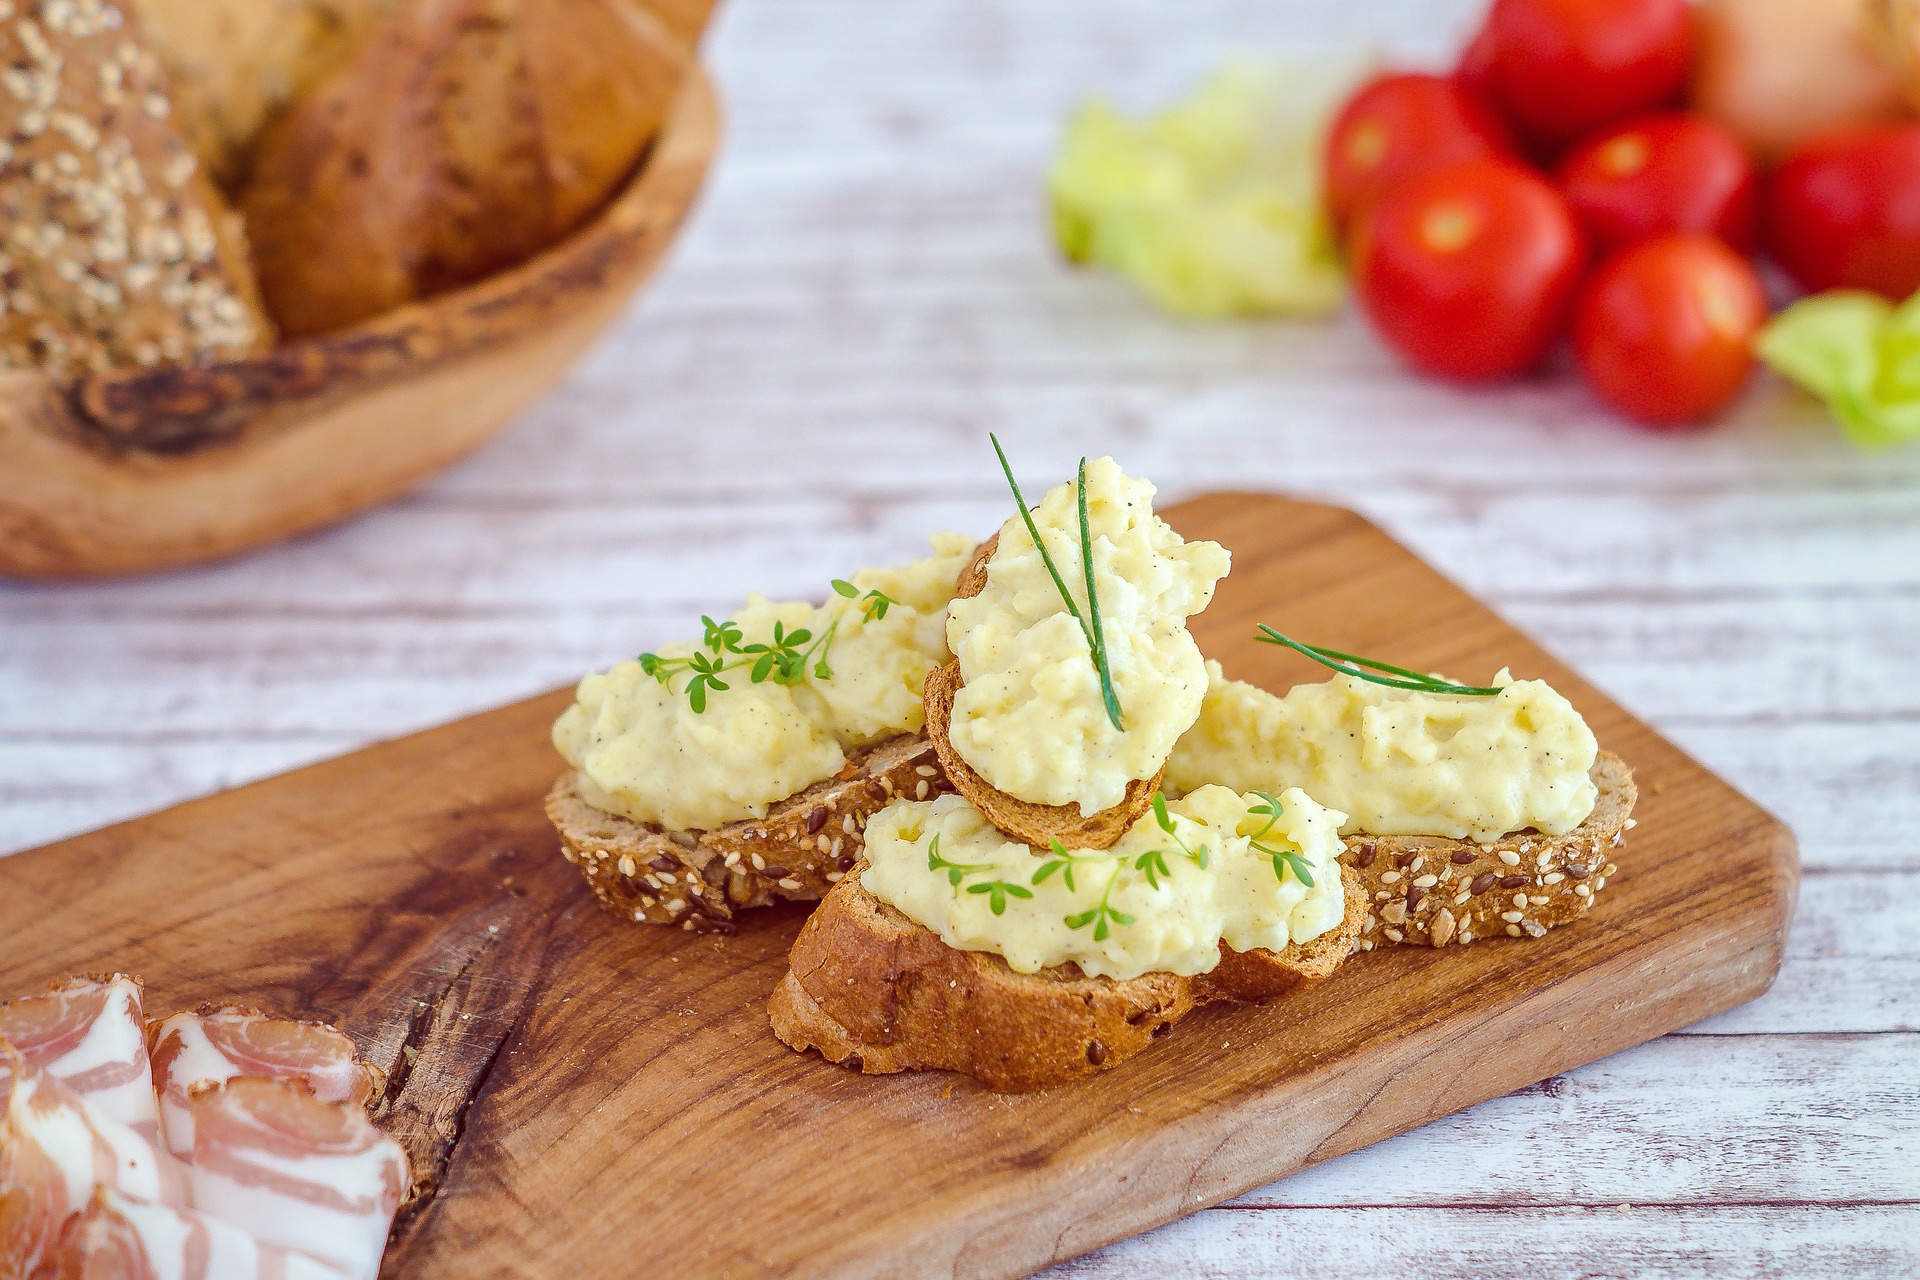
[(1397, 762), (641, 751), (1144, 906), (1030, 716)]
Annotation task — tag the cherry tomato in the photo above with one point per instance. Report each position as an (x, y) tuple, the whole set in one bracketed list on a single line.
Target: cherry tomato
[(1400, 125), (1475, 72), (1563, 68), (1468, 271), (1843, 211), (1664, 329), (1659, 174)]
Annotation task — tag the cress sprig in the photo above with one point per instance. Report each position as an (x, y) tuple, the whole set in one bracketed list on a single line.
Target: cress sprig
[(1089, 627), (1365, 668), (1283, 859), (788, 659)]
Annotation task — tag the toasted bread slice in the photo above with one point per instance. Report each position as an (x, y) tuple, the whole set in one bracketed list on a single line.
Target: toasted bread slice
[(870, 988), (1426, 889), (698, 879), (1036, 824)]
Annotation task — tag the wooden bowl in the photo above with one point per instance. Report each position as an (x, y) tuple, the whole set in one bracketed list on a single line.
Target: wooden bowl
[(133, 471)]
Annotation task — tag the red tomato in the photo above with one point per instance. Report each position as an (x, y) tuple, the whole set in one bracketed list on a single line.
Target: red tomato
[(1843, 211), (1663, 173), (1400, 125), (1664, 329), (1468, 271), (1563, 68), (1475, 72)]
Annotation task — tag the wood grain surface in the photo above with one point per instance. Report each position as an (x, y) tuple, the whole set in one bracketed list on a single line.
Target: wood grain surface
[(865, 290), (566, 1081)]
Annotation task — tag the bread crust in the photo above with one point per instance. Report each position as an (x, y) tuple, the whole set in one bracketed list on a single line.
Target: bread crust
[(699, 879), (1035, 824), (869, 988), (1473, 890)]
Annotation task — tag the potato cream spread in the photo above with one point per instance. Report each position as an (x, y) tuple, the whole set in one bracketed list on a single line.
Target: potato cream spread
[(1146, 905), (1398, 762), (643, 752), (1029, 715)]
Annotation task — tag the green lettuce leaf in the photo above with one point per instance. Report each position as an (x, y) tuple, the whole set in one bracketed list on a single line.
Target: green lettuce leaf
[(1860, 354), (1211, 208)]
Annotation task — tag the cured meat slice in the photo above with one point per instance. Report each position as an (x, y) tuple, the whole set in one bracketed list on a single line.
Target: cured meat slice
[(88, 1033), (213, 1045), (122, 1239), (294, 1170), (57, 1149)]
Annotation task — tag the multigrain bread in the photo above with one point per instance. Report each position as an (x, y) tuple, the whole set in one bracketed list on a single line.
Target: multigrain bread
[(462, 137), (1436, 891), (1036, 824), (873, 990), (119, 252), (236, 64), (698, 879)]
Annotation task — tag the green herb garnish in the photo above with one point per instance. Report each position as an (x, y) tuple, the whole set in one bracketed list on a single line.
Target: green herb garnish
[(790, 658), (1101, 914), (1063, 861), (1283, 859), (956, 871), (1000, 891), (1096, 641), (1165, 820), (1364, 668), (1153, 863)]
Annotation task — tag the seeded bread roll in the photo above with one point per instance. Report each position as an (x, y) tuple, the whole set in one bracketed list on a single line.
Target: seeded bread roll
[(1035, 824), (463, 137), (698, 879), (235, 64), (870, 988), (119, 252)]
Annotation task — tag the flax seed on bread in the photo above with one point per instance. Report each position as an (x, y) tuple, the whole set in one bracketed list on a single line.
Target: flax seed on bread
[(698, 879), (118, 252), (1437, 891), (870, 988), (1036, 824)]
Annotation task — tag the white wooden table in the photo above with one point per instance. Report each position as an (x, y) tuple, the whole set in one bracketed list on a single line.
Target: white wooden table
[(865, 293)]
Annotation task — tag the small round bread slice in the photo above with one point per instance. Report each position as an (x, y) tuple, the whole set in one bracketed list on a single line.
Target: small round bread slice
[(699, 879), (1035, 824), (870, 988), (1440, 892)]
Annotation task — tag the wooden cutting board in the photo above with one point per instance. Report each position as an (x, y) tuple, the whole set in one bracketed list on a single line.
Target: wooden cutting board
[(593, 1098)]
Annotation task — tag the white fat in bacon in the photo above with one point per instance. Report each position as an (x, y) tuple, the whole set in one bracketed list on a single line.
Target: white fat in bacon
[(212, 1046), (294, 1170), (88, 1033), (57, 1148), (122, 1239)]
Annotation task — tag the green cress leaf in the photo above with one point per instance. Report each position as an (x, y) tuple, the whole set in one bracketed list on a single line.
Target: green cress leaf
[(845, 588)]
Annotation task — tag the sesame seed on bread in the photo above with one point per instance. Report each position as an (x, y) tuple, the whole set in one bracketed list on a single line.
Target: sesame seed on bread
[(1035, 824), (873, 990), (118, 251), (698, 879)]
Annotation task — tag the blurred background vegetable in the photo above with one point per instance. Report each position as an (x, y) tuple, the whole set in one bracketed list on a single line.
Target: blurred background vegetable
[(1212, 208), (1843, 211), (1860, 354)]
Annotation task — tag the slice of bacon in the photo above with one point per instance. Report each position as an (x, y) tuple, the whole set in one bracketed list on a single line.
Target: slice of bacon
[(57, 1148), (122, 1239), (296, 1171), (88, 1033), (213, 1045)]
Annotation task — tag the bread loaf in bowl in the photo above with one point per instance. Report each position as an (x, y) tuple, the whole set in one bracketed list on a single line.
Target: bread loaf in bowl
[(462, 137)]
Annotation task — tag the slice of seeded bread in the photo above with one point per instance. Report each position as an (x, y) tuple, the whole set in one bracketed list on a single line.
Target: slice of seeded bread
[(870, 988), (1036, 824), (1426, 889), (698, 879)]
